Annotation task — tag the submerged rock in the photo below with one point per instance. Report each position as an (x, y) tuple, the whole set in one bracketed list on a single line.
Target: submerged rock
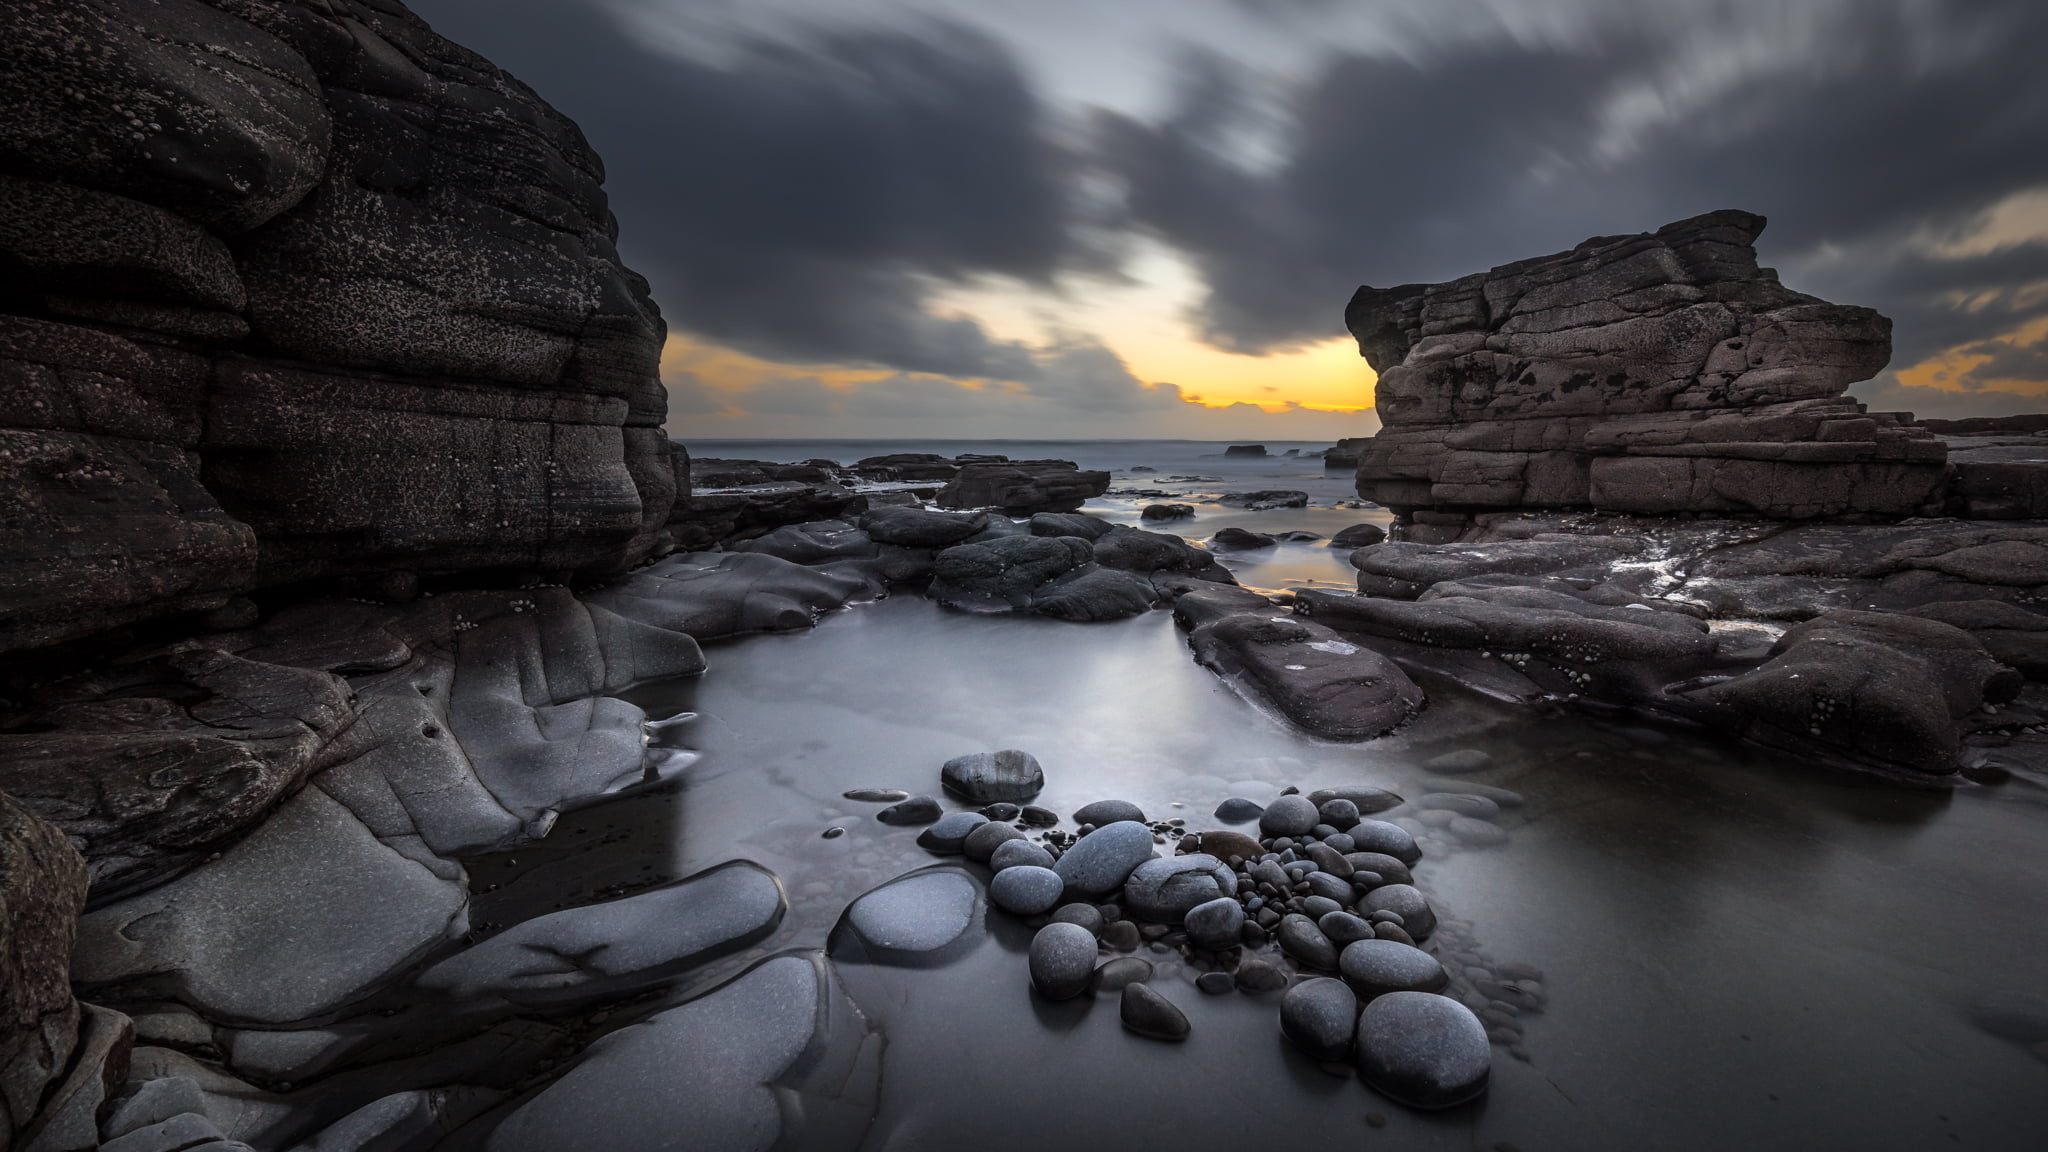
[(917, 915), (1026, 890), (1423, 1050), (987, 777)]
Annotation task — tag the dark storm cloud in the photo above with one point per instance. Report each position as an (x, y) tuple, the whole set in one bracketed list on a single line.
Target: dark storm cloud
[(798, 198), (1491, 149)]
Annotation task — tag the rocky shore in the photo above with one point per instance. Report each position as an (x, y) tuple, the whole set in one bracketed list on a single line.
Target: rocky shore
[(340, 523)]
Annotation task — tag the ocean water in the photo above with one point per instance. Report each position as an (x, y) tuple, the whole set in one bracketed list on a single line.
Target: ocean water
[(1740, 950)]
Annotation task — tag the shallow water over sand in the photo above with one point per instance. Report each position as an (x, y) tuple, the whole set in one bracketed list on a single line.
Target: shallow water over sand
[(1738, 952)]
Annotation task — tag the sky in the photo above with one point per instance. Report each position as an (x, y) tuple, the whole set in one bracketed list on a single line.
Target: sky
[(1143, 218)]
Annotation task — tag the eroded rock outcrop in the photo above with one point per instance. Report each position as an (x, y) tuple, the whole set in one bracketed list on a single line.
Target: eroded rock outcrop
[(1657, 373), (291, 289)]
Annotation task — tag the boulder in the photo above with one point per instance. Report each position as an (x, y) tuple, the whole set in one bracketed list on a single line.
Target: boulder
[(1655, 373), (1332, 687), (1023, 487)]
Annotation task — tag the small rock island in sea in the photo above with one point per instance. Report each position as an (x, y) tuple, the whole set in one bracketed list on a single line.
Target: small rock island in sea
[(341, 535)]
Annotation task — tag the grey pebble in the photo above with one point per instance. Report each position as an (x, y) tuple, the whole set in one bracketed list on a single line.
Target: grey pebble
[(1062, 960), (1026, 890), (949, 835), (876, 795), (1320, 1015), (1151, 1015), (916, 810)]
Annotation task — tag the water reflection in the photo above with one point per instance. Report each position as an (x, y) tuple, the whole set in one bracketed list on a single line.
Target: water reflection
[(1740, 951)]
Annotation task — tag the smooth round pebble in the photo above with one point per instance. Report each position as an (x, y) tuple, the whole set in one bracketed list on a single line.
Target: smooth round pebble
[(1288, 816), (1151, 1015), (1387, 838), (1320, 1015), (1238, 810), (1301, 939), (949, 835), (920, 913), (1038, 817), (876, 795), (1394, 932), (1026, 890), (1017, 853), (1376, 967), (1317, 907), (1424, 1050), (1121, 936), (1215, 924), (1331, 888), (1165, 889), (982, 842), (1339, 814), (1086, 915), (1342, 928), (1104, 812), (1475, 832), (986, 777), (1254, 976), (1003, 813), (1099, 863), (1367, 799), (1406, 900), (1114, 975), (1062, 960), (1389, 870), (1458, 763), (1215, 983), (916, 810)]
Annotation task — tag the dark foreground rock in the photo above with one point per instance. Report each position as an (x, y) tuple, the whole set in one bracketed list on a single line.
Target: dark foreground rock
[(1425, 1051)]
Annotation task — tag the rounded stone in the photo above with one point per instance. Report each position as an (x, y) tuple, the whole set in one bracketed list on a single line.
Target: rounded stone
[(1151, 1015), (1317, 907), (1342, 928), (982, 842), (920, 913), (1364, 797), (1460, 762), (1339, 813), (1003, 813), (1477, 807), (1330, 860), (1062, 960), (986, 777), (1387, 838), (1122, 971), (1288, 816), (1475, 832), (1412, 905), (1388, 869), (1104, 812), (1038, 817), (1018, 853), (1122, 936), (1424, 1050), (1394, 932), (1222, 845), (1099, 863), (1320, 1015), (916, 810), (1331, 888), (1215, 924), (1301, 939), (949, 835), (1255, 976), (1215, 983), (1376, 967), (1165, 889), (1238, 810), (876, 795), (1086, 915), (1026, 890)]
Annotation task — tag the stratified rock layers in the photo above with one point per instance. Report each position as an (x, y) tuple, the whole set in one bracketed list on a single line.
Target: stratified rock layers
[(1658, 373), (290, 289)]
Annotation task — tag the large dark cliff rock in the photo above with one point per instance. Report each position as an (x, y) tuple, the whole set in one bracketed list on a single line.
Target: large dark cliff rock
[(1657, 373), (296, 288)]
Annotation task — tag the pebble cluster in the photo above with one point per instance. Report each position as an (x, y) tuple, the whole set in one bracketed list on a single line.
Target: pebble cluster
[(1320, 907)]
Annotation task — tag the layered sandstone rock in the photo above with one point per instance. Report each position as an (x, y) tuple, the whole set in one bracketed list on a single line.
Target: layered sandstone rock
[(291, 288), (1657, 373)]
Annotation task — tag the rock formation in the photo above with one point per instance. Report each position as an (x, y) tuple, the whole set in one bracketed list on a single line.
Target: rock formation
[(291, 289), (1657, 373)]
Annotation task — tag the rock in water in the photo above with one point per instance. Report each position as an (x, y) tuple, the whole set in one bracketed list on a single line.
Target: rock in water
[(1320, 1015), (1099, 863), (1026, 890), (1255, 976), (1239, 539), (1376, 967), (1119, 973), (1151, 1015), (1407, 901), (1386, 838), (1290, 815), (981, 843), (1108, 812), (949, 834), (918, 914), (1165, 889), (1215, 924), (1301, 939), (916, 810), (1423, 1050), (1018, 853), (1668, 372), (1238, 810), (1062, 960), (1358, 536), (987, 777)]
